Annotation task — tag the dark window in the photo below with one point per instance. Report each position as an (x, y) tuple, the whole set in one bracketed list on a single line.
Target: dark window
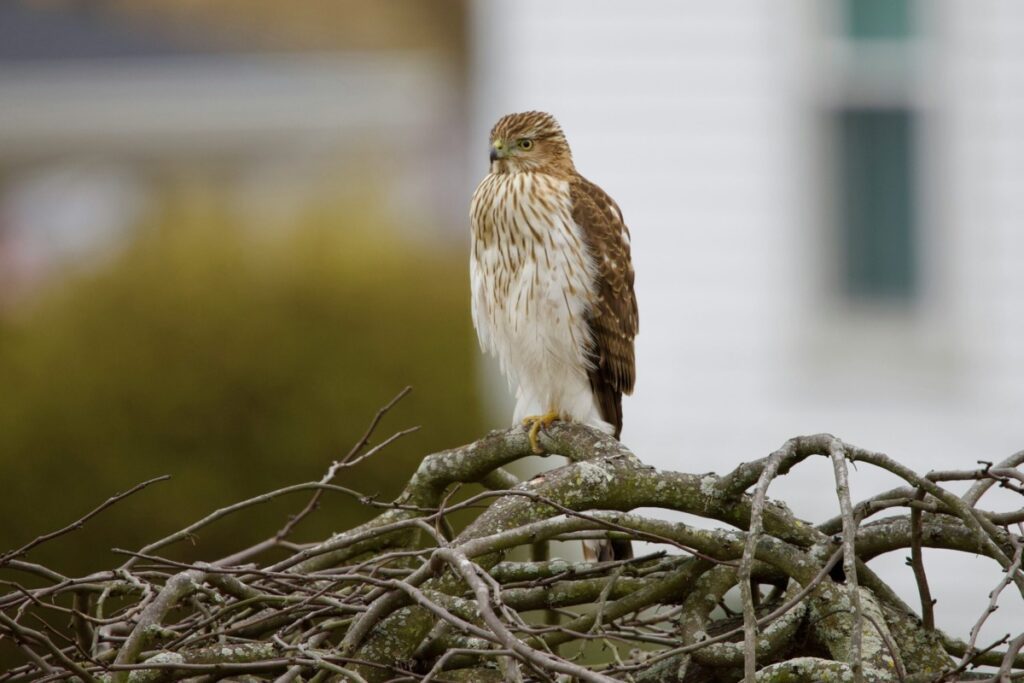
[(877, 19), (876, 203)]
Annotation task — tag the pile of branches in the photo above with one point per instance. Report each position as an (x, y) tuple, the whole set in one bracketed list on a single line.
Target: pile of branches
[(405, 597)]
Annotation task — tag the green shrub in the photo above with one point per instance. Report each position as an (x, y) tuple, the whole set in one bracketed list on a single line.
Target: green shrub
[(237, 362)]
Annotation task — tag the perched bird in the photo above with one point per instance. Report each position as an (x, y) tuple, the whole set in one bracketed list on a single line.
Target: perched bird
[(552, 284)]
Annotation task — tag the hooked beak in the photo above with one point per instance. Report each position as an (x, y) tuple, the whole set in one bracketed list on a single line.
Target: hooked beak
[(497, 150)]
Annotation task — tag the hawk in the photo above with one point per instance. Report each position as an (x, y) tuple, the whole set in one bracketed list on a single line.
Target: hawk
[(552, 283)]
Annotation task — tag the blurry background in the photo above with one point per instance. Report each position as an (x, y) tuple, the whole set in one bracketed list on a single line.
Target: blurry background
[(230, 230), (229, 233)]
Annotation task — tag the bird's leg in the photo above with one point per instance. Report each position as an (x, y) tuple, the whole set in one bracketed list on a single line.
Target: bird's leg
[(536, 422)]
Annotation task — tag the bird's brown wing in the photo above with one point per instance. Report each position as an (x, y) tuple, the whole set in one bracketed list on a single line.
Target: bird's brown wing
[(612, 318)]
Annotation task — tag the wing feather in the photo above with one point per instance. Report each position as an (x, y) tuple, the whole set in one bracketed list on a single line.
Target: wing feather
[(612, 318)]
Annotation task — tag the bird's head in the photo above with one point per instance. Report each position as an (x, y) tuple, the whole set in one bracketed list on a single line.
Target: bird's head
[(529, 141)]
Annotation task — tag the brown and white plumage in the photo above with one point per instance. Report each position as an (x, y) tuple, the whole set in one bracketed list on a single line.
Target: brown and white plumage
[(551, 276)]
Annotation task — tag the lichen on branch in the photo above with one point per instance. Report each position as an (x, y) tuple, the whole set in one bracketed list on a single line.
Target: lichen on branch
[(754, 594)]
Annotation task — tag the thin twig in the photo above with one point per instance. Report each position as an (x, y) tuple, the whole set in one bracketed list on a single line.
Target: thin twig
[(80, 522), (993, 598), (743, 574), (838, 455), (917, 562)]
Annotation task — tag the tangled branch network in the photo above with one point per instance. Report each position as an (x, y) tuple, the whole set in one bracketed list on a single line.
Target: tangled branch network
[(407, 597)]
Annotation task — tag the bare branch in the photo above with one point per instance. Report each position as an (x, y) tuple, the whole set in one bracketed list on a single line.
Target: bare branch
[(403, 597), (838, 455), (80, 522)]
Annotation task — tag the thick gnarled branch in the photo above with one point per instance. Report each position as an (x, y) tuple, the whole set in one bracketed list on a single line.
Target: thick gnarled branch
[(404, 597)]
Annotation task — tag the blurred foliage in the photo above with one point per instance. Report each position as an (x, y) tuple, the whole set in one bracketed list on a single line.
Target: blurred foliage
[(237, 361), (437, 26)]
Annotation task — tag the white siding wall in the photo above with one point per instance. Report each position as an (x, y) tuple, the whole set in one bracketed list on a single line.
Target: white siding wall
[(983, 92), (702, 120)]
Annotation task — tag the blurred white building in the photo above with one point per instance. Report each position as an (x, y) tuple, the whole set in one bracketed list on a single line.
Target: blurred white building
[(827, 209)]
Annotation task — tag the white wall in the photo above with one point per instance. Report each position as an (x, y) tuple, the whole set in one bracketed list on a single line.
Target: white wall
[(703, 121)]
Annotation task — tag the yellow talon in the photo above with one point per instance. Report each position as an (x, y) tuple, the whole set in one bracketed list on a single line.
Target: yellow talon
[(536, 422)]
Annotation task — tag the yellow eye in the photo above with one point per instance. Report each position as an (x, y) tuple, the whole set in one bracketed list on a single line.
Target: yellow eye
[(526, 144)]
